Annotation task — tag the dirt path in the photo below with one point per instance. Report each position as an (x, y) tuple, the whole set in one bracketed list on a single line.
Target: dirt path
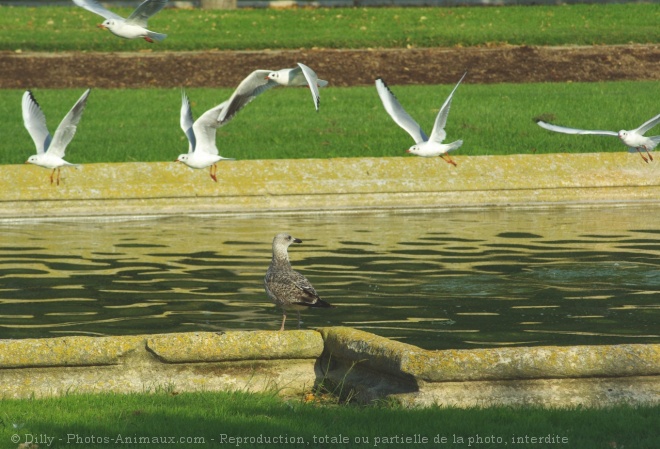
[(340, 67)]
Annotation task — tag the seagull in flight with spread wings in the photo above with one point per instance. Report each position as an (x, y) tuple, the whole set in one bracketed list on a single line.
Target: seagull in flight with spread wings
[(633, 139), (424, 146), (299, 77), (202, 151), (132, 27), (260, 81), (50, 149)]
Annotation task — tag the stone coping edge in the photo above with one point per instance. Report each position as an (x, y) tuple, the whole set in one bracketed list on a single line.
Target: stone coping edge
[(379, 354), (536, 362), (284, 185), (193, 347)]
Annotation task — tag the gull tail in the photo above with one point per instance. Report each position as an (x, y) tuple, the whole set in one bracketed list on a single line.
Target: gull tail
[(454, 145), (655, 141), (156, 36), (320, 303)]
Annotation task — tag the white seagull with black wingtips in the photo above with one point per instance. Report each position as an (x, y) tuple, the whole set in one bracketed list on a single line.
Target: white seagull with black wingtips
[(424, 146), (132, 27), (202, 151), (634, 139), (50, 149)]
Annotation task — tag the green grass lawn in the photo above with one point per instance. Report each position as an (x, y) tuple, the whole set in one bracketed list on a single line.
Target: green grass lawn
[(73, 28), (143, 124), (211, 419)]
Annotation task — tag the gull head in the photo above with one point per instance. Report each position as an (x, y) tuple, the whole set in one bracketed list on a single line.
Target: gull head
[(281, 77), (32, 160), (106, 24), (282, 241), (415, 149), (182, 158), (624, 136)]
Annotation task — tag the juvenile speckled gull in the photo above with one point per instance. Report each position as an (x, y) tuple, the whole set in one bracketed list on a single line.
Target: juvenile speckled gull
[(424, 146), (634, 139), (285, 286), (202, 151), (260, 81), (50, 150), (134, 26)]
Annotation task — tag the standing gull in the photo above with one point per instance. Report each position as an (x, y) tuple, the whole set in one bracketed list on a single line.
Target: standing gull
[(134, 26), (634, 139), (50, 149), (202, 151), (424, 146), (285, 286)]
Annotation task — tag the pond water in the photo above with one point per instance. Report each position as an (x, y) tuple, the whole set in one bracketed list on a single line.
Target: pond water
[(436, 279)]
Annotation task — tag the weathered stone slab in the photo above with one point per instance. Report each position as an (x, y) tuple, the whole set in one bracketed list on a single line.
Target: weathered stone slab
[(67, 351), (405, 360), (247, 361), (339, 183), (367, 365), (233, 346)]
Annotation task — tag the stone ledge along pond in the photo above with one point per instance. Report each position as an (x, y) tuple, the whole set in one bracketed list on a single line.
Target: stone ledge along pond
[(437, 279)]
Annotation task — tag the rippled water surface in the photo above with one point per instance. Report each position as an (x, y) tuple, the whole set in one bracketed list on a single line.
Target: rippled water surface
[(441, 279)]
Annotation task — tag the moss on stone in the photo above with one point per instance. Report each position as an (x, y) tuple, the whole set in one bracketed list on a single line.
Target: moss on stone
[(227, 346)]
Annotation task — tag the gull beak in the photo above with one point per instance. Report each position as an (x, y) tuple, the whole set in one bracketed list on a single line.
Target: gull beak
[(100, 25)]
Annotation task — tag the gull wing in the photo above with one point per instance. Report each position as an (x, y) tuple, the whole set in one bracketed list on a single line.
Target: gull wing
[(564, 130), (67, 128), (144, 11), (96, 8), (398, 114), (306, 294), (438, 133), (204, 129), (34, 120), (648, 125), (313, 82), (187, 121), (252, 86)]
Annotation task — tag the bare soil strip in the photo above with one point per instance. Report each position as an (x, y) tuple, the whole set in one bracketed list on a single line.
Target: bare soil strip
[(504, 64)]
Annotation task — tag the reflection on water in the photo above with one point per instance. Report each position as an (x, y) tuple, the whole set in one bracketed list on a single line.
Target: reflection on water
[(440, 279)]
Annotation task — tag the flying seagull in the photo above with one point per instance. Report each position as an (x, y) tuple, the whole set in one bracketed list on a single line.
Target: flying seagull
[(202, 151), (634, 139), (424, 146), (260, 81), (50, 149), (285, 286), (134, 26), (297, 77)]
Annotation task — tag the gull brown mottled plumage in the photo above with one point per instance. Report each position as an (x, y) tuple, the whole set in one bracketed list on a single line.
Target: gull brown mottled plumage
[(285, 286)]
